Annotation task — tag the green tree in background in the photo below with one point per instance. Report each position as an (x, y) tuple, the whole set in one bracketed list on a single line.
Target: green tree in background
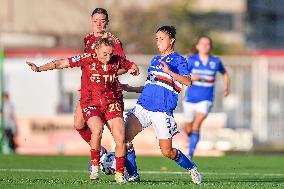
[(137, 28)]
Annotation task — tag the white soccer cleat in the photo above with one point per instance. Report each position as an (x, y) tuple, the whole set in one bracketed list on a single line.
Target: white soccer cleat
[(119, 178), (94, 172), (195, 176), (134, 178)]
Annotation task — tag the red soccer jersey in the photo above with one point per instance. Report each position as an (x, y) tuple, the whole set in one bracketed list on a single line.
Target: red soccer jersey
[(90, 42), (102, 77)]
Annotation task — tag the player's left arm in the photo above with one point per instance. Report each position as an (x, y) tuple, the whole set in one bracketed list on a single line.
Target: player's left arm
[(183, 79), (226, 82), (121, 71), (226, 79), (130, 66)]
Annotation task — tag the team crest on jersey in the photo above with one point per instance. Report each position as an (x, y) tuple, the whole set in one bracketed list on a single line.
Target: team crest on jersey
[(169, 59), (93, 46), (152, 78), (104, 66), (196, 63), (76, 58), (212, 64)]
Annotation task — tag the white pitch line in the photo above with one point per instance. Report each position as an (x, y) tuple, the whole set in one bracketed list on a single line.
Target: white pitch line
[(142, 172)]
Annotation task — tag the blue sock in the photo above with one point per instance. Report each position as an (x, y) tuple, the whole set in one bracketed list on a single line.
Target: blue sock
[(130, 162), (183, 161), (193, 138)]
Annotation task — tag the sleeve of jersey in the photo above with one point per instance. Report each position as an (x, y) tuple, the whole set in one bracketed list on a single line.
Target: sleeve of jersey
[(182, 67), (118, 49), (126, 64), (77, 61), (189, 64), (221, 68), (85, 43)]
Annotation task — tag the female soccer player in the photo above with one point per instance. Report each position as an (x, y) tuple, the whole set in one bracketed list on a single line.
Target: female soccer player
[(199, 97), (100, 20), (102, 69), (166, 75)]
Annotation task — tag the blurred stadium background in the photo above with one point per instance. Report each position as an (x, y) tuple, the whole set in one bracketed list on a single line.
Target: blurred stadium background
[(247, 34)]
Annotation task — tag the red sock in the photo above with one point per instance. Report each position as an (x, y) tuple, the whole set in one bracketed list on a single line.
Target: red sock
[(95, 157), (120, 161), (85, 133)]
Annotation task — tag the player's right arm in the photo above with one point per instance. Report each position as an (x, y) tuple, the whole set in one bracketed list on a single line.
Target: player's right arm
[(75, 61), (56, 64)]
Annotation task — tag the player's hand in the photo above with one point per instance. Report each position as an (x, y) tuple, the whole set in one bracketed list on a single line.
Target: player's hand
[(164, 66), (134, 70), (195, 77), (32, 66), (226, 92)]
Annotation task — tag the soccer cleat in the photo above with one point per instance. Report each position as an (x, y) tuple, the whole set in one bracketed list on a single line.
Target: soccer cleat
[(119, 178), (195, 175), (134, 178), (94, 172)]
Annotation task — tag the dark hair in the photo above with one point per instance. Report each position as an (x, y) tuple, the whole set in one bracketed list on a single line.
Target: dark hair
[(5, 94), (104, 41), (170, 30), (100, 11), (194, 49)]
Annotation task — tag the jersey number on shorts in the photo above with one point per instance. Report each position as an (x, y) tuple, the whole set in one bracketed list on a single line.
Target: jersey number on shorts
[(114, 107), (172, 128)]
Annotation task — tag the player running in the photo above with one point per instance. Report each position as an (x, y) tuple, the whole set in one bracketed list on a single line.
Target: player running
[(102, 69), (166, 75), (199, 97)]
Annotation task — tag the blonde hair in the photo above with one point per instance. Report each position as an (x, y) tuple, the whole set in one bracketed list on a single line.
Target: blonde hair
[(104, 41)]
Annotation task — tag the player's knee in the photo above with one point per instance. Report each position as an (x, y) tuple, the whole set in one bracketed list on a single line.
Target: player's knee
[(96, 131), (120, 141), (127, 137), (166, 152)]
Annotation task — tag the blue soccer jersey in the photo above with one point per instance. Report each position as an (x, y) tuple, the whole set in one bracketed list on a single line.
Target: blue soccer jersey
[(204, 88), (160, 93)]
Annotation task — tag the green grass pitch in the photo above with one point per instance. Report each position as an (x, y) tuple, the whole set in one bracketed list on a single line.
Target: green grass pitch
[(234, 171)]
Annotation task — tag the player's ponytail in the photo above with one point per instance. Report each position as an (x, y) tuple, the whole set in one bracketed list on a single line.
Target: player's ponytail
[(194, 49)]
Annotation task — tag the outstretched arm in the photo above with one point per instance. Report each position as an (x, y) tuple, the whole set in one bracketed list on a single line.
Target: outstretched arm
[(56, 64), (183, 79)]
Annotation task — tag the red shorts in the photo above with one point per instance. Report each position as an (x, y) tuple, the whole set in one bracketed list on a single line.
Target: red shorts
[(106, 113)]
